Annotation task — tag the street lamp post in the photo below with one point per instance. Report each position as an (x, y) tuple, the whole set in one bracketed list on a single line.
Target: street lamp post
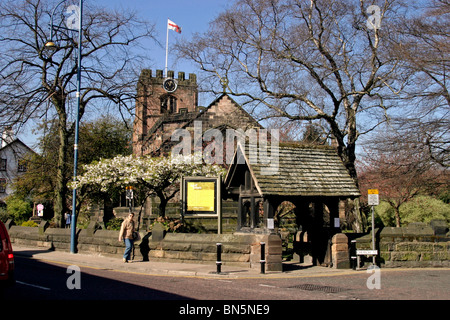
[(50, 45)]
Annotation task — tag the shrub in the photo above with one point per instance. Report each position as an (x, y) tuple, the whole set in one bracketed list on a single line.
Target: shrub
[(424, 209), (4, 216), (384, 215), (29, 223), (170, 224), (418, 209), (19, 210), (114, 224)]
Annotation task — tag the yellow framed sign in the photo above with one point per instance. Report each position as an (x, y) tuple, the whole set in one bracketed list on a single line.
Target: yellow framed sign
[(201, 197)]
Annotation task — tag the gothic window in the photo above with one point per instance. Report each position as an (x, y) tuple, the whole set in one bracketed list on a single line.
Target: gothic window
[(3, 164), (168, 104)]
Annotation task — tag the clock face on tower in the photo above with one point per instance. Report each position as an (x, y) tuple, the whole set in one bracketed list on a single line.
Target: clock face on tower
[(170, 85)]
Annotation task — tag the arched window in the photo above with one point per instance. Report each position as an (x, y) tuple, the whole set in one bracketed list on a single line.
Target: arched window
[(168, 104)]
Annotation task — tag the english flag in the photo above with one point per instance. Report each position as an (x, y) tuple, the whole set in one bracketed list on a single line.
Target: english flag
[(173, 26)]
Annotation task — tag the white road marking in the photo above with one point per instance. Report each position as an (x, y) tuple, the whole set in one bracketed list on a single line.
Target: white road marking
[(32, 285), (266, 285)]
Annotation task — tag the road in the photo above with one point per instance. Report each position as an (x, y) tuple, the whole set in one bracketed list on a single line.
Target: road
[(46, 280)]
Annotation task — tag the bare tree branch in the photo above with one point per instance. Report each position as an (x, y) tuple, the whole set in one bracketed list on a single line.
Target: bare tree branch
[(35, 83)]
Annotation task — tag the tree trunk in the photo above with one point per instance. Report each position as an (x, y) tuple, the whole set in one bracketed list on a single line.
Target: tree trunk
[(162, 204), (61, 191), (397, 216), (348, 157)]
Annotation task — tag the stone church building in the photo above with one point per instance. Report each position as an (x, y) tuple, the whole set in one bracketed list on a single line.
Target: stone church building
[(312, 178), (168, 103)]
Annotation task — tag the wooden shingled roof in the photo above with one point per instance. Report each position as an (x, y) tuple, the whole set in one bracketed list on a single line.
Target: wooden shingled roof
[(302, 171)]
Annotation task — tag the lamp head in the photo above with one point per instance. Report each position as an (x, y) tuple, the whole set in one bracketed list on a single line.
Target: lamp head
[(50, 45)]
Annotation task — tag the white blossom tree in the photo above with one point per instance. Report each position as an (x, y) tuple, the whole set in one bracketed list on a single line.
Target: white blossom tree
[(151, 176)]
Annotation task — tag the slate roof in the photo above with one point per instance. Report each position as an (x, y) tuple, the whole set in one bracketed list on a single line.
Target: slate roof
[(302, 171)]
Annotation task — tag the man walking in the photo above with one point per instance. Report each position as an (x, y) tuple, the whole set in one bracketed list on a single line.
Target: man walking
[(126, 234)]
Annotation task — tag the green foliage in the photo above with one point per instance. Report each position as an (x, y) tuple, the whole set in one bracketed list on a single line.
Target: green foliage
[(114, 224), (445, 196), (384, 215), (4, 216), (170, 224), (102, 138), (18, 209), (29, 223), (424, 209), (418, 209)]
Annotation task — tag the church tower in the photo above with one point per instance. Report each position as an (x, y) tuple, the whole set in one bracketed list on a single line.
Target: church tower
[(161, 100)]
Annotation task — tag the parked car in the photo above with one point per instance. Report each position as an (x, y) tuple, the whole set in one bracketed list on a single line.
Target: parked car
[(6, 257)]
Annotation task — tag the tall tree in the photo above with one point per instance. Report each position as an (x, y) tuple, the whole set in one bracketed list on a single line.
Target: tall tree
[(399, 177), (150, 176), (422, 43), (35, 83), (305, 60), (102, 138)]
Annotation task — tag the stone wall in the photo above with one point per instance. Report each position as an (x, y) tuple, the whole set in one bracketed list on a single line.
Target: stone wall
[(416, 245), (237, 249), (204, 224)]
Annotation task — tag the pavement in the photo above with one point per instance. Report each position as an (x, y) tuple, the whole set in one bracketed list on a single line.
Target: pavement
[(157, 268)]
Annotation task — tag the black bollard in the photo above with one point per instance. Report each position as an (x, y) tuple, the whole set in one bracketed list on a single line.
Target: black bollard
[(352, 251), (263, 257), (219, 259)]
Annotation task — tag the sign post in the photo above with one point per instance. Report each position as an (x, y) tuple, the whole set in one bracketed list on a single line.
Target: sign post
[(129, 197), (373, 200)]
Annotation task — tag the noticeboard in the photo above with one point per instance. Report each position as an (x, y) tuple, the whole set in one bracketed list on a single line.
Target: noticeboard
[(200, 195)]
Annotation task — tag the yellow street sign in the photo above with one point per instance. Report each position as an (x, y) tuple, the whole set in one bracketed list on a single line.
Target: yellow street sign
[(372, 197)]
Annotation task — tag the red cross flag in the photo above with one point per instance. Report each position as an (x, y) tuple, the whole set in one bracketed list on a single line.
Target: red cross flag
[(173, 26)]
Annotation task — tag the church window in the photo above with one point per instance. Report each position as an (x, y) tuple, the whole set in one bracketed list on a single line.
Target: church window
[(168, 104)]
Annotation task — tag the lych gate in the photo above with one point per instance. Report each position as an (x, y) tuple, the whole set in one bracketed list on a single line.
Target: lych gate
[(312, 178)]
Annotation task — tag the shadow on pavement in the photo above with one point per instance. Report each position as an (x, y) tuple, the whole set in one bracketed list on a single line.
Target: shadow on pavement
[(38, 280)]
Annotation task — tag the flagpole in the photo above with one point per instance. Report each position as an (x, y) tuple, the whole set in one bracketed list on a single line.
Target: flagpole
[(167, 47)]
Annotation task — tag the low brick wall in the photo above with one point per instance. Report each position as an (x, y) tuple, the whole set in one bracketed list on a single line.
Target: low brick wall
[(416, 245), (237, 249)]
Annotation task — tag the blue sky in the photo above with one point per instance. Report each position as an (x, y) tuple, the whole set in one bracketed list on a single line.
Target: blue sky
[(191, 15)]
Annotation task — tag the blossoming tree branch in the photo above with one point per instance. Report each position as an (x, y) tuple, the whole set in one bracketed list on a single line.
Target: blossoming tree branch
[(150, 176)]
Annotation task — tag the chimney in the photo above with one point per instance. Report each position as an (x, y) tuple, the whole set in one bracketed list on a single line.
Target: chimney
[(7, 136)]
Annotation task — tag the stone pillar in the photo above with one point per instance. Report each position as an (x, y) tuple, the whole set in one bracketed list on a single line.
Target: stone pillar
[(158, 232), (339, 251), (43, 226), (273, 254)]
